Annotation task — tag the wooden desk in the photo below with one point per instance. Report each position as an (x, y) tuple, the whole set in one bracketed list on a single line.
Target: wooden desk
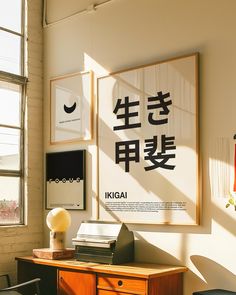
[(71, 277)]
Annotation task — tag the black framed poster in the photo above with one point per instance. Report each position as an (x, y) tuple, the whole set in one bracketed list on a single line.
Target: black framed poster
[(66, 180)]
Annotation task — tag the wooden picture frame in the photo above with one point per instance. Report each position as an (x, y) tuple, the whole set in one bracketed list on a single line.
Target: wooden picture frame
[(71, 108), (148, 144), (66, 180)]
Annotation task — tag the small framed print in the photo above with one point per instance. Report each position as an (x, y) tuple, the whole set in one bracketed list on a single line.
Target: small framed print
[(66, 180), (71, 108)]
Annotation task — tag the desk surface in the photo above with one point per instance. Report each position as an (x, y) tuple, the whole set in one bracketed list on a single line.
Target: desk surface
[(137, 269)]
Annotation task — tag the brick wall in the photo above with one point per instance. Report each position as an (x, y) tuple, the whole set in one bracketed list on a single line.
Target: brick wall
[(19, 241)]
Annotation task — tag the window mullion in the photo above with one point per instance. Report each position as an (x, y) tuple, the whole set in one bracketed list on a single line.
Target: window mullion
[(13, 173), (23, 40), (12, 127), (22, 137), (11, 32), (12, 78)]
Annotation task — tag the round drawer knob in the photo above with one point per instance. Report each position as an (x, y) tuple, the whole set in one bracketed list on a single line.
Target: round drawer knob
[(120, 283)]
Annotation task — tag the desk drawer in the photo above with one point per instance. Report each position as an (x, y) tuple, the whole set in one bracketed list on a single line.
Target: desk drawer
[(122, 284), (105, 292)]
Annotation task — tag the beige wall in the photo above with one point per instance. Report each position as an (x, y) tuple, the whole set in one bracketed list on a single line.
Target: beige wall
[(19, 241), (127, 33)]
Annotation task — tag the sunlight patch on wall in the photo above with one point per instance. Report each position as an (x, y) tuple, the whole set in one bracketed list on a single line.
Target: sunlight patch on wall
[(91, 64)]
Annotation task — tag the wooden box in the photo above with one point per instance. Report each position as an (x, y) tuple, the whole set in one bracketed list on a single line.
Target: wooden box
[(47, 253)]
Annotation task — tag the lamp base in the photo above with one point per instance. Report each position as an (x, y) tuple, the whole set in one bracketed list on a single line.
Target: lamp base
[(57, 240), (47, 253)]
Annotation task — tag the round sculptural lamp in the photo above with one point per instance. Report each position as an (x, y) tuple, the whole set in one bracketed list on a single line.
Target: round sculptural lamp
[(58, 220)]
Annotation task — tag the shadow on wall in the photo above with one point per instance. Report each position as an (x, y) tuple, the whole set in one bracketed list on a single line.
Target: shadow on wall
[(153, 253), (147, 185), (210, 274), (213, 272)]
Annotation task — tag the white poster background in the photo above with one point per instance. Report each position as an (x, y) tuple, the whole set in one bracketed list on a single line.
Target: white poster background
[(69, 195), (73, 92), (160, 195)]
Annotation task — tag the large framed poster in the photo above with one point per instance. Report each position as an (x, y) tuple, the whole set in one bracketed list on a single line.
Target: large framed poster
[(148, 162), (66, 180)]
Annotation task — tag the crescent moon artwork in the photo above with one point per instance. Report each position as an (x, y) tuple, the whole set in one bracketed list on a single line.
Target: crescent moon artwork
[(71, 109)]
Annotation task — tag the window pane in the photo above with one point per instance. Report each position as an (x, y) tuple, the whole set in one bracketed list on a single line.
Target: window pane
[(10, 15), (10, 104), (10, 52), (9, 200), (9, 149)]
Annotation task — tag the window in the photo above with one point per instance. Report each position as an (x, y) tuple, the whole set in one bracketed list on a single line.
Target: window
[(12, 100)]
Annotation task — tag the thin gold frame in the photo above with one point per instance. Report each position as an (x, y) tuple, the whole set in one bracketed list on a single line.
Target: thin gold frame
[(198, 182), (53, 105)]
